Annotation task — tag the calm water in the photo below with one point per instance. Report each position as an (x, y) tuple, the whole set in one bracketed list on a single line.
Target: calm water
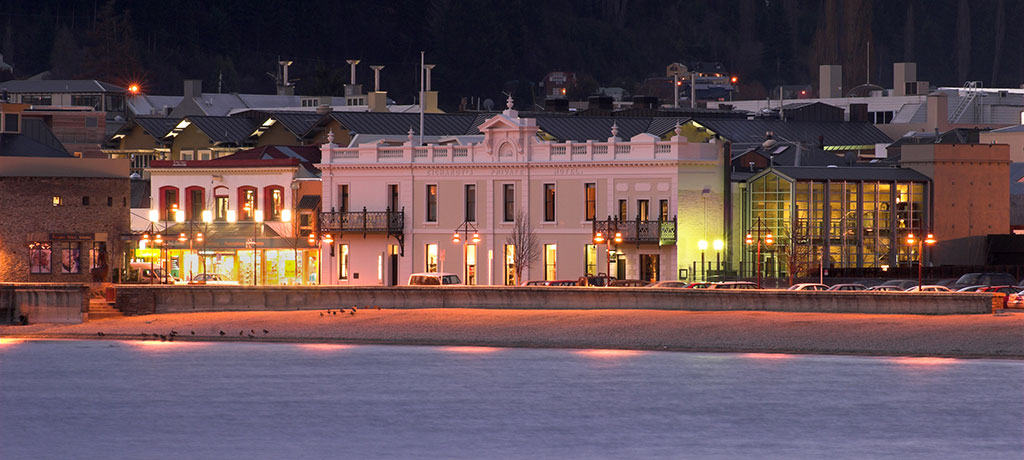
[(112, 400)]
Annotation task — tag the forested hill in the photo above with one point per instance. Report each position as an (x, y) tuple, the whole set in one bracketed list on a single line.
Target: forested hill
[(484, 47)]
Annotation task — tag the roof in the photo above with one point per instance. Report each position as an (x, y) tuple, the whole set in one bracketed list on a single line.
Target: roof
[(831, 133), (305, 154), (848, 173), (1016, 178), (59, 86), (35, 140), (156, 126), (309, 202), (434, 124), (581, 129), (1010, 129), (219, 104), (145, 104), (297, 123), (225, 130)]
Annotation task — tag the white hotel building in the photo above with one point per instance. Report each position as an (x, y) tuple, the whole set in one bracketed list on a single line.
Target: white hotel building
[(392, 210)]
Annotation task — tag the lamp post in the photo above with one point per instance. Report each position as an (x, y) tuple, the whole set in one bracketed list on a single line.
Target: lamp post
[(599, 238), (207, 218), (257, 222), (759, 239), (703, 246), (718, 245), (920, 242), (465, 228)]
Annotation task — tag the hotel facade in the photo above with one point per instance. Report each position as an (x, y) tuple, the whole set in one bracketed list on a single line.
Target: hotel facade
[(390, 211)]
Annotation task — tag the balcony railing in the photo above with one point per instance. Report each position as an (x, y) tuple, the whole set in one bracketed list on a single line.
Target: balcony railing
[(363, 221), (639, 231)]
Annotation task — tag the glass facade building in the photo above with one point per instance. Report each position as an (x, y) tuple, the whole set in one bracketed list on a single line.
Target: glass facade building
[(835, 217)]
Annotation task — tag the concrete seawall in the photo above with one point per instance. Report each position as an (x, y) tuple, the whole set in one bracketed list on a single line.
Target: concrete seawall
[(43, 302), (142, 300)]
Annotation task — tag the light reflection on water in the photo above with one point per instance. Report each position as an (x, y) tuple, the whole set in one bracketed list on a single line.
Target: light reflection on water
[(152, 399)]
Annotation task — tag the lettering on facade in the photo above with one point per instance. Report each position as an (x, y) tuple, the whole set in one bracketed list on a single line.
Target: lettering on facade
[(178, 164), (448, 172), (508, 172), (568, 172)]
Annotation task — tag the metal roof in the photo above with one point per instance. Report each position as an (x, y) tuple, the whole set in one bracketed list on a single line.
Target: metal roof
[(230, 130), (864, 173), (1010, 129), (582, 129), (831, 133), (59, 86), (434, 124), (146, 104), (309, 202), (297, 123), (156, 126), (35, 140)]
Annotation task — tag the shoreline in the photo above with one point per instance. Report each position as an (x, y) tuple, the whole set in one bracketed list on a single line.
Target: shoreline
[(999, 336)]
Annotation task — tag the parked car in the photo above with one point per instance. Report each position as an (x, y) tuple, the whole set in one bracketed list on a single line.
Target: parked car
[(971, 288), (885, 288), (433, 279), (988, 279), (1008, 290), (848, 287), (153, 274), (733, 285), (537, 283), (594, 280), (670, 284), (629, 283), (699, 285), (903, 285), (212, 279), (808, 287), (1015, 300), (929, 288)]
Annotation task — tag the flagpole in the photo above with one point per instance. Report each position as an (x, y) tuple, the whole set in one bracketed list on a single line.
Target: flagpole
[(421, 96)]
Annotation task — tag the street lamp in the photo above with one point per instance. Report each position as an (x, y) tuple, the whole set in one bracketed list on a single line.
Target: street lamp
[(703, 246), (465, 237), (599, 238), (920, 242), (766, 239), (718, 245), (257, 220)]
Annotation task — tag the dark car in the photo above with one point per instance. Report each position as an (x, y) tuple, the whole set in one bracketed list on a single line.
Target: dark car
[(987, 279), (733, 285), (848, 287), (629, 283)]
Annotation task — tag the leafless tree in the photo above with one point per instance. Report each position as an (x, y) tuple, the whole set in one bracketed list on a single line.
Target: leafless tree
[(526, 244)]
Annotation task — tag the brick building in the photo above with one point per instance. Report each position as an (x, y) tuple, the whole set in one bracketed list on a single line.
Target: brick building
[(63, 218)]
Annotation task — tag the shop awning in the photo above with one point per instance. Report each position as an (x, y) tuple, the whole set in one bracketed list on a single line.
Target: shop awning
[(223, 235)]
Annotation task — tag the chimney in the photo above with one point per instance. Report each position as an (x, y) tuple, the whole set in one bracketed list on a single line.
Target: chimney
[(193, 88), (830, 81), (903, 73), (429, 97), (377, 100), (938, 111), (284, 88), (352, 90)]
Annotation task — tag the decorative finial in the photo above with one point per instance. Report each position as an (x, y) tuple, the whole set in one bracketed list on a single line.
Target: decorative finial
[(410, 134), (509, 102), (615, 129), (679, 129), (330, 137)]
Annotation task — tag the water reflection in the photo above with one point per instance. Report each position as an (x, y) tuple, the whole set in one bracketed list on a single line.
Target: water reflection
[(924, 361), (323, 347), (608, 353), (471, 350), (767, 356)]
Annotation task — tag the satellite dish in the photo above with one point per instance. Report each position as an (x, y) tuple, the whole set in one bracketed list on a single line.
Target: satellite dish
[(488, 104), (768, 144)]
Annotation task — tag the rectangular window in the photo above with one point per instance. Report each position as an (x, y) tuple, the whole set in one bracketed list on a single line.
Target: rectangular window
[(590, 259), (550, 253), (70, 258), (643, 209), (276, 203), (509, 197), (431, 259), (510, 265), (57, 201), (85, 201), (623, 211), (471, 264), (86, 101), (170, 203), (248, 204), (39, 257), (195, 199), (110, 201), (393, 197), (12, 122), (187, 155), (663, 209), (470, 211), (431, 203), (549, 202), (204, 155), (343, 198), (343, 261), (98, 255), (37, 99), (221, 205), (305, 220), (590, 205)]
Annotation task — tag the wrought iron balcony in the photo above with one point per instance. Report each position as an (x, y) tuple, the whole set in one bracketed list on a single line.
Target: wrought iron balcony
[(363, 221), (639, 231)]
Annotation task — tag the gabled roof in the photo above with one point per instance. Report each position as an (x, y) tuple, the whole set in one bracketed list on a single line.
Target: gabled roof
[(434, 124), (831, 133), (149, 105), (304, 153), (59, 86), (35, 140), (1016, 178), (854, 173), (297, 123), (309, 202), (225, 130), (1010, 129)]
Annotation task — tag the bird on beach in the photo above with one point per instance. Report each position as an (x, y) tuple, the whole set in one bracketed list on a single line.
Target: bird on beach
[(353, 312), (156, 336), (321, 314), (163, 337), (174, 332), (241, 333), (223, 333), (377, 307), (252, 331), (251, 336), (99, 334), (193, 332), (266, 331)]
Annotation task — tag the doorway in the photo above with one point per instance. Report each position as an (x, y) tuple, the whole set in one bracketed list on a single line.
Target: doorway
[(649, 267), (392, 264)]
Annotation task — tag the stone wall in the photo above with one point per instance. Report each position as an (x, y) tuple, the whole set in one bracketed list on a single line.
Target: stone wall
[(43, 303), (140, 300), (29, 215)]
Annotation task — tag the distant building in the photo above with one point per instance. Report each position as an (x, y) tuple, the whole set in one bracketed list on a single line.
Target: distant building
[(557, 84)]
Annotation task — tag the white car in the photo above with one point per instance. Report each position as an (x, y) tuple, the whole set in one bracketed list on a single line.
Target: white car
[(930, 288), (808, 287), (434, 279), (212, 279)]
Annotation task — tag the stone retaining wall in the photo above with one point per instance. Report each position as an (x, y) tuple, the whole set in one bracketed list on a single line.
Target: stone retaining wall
[(44, 302), (141, 300)]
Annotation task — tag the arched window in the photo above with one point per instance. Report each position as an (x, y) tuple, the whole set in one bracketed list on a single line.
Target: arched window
[(168, 202), (247, 202), (273, 199), (195, 203)]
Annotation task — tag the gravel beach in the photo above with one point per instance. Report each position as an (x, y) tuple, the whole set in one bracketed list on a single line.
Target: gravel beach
[(968, 336)]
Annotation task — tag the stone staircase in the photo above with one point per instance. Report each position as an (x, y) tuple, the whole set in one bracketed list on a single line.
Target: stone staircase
[(101, 309)]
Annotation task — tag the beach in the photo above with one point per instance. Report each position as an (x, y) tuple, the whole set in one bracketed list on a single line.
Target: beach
[(966, 336)]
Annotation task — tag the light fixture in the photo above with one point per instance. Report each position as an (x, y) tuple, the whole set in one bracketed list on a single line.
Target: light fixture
[(702, 245), (207, 216), (476, 238), (286, 215), (154, 215), (232, 216), (456, 239), (258, 215), (182, 237), (768, 239), (719, 245), (618, 237), (179, 216), (199, 237), (599, 238), (328, 239)]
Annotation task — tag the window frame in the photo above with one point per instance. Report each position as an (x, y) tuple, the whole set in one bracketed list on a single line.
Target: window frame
[(431, 203), (469, 198), (590, 201), (508, 202), (549, 202)]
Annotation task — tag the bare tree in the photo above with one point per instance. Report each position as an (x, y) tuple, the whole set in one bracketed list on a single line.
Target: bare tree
[(525, 242)]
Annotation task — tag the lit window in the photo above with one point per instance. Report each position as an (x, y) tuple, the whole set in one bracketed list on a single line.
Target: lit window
[(510, 202), (510, 265), (57, 200), (590, 207), (470, 203), (39, 258), (432, 258), (70, 256), (431, 203), (550, 251), (590, 258), (549, 202), (343, 261), (471, 264)]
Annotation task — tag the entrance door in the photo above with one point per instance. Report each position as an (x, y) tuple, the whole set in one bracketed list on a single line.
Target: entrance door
[(649, 267), (620, 267), (392, 265)]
